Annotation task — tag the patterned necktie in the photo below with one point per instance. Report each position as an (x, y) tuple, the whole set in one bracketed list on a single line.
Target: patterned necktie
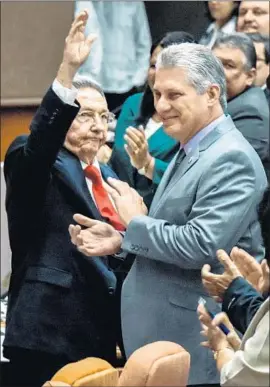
[(102, 199)]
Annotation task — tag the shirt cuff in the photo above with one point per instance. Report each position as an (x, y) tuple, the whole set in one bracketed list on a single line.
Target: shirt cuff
[(67, 96), (121, 254)]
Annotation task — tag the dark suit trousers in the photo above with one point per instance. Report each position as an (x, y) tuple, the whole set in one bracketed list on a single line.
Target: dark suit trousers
[(32, 368)]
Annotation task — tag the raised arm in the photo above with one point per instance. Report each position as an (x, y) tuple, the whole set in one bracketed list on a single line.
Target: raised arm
[(32, 157)]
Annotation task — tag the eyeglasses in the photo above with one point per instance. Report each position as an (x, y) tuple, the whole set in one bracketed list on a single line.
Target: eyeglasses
[(91, 117)]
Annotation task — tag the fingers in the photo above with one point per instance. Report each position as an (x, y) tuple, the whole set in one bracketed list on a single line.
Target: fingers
[(133, 146), (206, 271), (205, 344), (226, 261), (240, 257), (203, 315), (79, 21), (120, 187), (234, 340), (84, 221), (74, 231), (128, 150), (222, 318), (90, 39), (135, 138)]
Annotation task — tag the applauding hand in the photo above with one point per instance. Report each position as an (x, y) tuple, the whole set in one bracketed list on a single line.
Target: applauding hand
[(137, 147), (127, 201), (96, 239)]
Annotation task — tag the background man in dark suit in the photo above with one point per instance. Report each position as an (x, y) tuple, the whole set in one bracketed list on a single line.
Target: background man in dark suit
[(261, 44), (247, 105), (62, 305)]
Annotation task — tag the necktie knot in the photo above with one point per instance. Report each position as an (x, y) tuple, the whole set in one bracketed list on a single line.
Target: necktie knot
[(93, 174)]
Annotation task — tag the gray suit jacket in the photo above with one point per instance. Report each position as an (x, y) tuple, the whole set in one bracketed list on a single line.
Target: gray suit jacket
[(250, 114), (250, 365), (209, 203)]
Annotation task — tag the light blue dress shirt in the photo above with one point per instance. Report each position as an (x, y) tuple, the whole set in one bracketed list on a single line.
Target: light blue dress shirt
[(193, 143), (124, 43)]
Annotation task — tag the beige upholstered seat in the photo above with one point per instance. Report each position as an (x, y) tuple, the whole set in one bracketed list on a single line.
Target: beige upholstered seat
[(161, 364)]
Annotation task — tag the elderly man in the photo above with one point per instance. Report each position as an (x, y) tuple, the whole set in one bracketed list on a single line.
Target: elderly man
[(62, 305), (207, 199), (247, 105), (253, 17)]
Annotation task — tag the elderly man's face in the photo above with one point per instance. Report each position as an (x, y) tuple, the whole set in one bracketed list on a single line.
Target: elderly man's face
[(261, 66), (253, 17), (181, 109), (234, 61), (88, 131)]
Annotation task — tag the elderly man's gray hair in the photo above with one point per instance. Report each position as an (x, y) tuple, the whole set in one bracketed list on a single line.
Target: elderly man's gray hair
[(203, 67), (83, 81)]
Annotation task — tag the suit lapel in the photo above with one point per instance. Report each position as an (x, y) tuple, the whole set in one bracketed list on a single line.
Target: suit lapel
[(170, 182), (69, 171), (162, 185)]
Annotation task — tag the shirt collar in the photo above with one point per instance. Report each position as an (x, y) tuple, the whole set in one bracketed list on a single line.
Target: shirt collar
[(95, 164), (263, 87), (193, 143)]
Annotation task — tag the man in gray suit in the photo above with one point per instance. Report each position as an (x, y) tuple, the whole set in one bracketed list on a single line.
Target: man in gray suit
[(206, 200)]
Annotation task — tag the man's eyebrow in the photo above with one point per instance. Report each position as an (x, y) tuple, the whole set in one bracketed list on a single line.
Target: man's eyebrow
[(229, 61)]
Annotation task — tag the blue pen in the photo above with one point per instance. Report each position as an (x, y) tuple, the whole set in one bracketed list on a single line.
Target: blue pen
[(223, 327)]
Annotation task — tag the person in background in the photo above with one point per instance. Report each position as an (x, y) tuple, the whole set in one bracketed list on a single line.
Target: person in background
[(93, 62), (247, 105), (253, 17), (243, 363), (261, 44), (144, 169), (223, 16), (125, 39)]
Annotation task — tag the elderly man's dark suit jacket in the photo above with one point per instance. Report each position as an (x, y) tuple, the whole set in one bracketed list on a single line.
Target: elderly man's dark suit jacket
[(250, 114), (60, 301)]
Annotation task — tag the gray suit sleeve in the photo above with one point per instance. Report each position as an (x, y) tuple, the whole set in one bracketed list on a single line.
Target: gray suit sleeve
[(223, 210)]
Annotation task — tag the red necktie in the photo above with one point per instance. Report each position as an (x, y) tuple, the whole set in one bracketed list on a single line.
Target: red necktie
[(102, 199)]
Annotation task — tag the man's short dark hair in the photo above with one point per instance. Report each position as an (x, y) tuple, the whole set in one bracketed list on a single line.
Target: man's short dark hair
[(264, 218), (258, 38), (241, 41)]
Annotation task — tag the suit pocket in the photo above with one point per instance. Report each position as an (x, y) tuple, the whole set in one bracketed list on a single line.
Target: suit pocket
[(184, 299), (188, 298), (49, 275)]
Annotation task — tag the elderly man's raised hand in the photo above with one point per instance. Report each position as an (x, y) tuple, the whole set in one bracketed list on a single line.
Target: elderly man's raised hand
[(77, 49)]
